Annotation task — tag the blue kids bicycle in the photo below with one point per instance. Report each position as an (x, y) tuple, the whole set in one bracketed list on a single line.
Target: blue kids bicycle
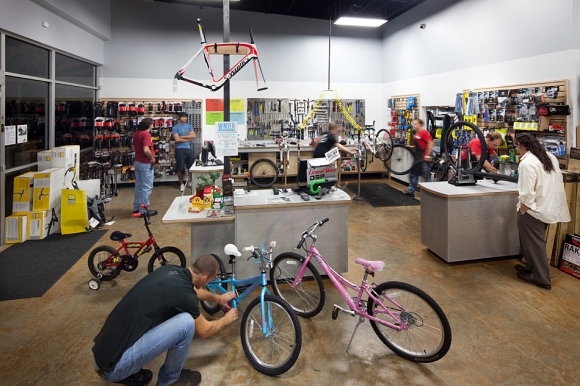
[(270, 331)]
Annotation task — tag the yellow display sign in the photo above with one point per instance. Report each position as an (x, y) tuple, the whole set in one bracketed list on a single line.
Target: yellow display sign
[(237, 104)]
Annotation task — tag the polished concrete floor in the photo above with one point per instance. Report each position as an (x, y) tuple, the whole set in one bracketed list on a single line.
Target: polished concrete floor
[(505, 332)]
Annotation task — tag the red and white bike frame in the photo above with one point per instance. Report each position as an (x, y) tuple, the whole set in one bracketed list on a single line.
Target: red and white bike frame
[(216, 84)]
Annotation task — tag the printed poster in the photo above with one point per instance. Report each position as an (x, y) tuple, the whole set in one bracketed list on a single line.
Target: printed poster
[(211, 117), (237, 104), (237, 117), (10, 135), (226, 139), (214, 105), (22, 133)]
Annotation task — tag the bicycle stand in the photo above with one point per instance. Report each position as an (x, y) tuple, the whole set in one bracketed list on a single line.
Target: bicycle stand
[(361, 319), (358, 196)]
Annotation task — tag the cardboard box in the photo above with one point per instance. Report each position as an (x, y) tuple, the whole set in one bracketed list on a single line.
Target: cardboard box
[(23, 193), (66, 157), (570, 261), (39, 222), (44, 160), (48, 185), (15, 227), (319, 168)]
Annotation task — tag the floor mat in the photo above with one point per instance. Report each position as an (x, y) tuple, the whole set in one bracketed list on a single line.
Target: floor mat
[(379, 195), (29, 269)]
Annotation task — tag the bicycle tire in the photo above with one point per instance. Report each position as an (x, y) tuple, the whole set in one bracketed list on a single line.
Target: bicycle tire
[(164, 257), (109, 273), (437, 332), (284, 334), (384, 146), (450, 146), (309, 296), (213, 307), (263, 173), (401, 161)]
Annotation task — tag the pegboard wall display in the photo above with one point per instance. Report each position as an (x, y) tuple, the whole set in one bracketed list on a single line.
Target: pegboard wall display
[(404, 108), (267, 118), (117, 120), (540, 109)]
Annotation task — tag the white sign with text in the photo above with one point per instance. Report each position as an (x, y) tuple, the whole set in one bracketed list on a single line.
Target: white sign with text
[(226, 139)]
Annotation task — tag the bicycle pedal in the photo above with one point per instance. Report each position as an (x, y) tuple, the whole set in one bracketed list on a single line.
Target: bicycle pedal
[(334, 313)]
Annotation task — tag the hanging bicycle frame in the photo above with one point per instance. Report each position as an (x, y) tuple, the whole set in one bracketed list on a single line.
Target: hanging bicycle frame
[(214, 48)]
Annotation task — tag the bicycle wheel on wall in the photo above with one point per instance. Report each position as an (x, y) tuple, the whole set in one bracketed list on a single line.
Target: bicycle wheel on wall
[(263, 173), (456, 141), (383, 145), (308, 297), (401, 161), (428, 336), (213, 307), (166, 256), (276, 351)]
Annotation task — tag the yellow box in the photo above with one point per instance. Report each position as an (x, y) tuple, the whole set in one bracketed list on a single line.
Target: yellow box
[(47, 189), (66, 157), (74, 211), (15, 227), (44, 160), (38, 223), (22, 193)]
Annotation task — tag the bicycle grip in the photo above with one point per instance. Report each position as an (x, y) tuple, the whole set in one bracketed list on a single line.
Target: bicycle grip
[(321, 222), (248, 249), (136, 215), (300, 243)]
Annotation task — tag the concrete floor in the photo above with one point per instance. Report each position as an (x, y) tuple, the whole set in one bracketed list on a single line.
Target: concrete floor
[(504, 330)]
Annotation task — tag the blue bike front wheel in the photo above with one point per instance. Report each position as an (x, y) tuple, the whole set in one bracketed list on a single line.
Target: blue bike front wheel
[(271, 347)]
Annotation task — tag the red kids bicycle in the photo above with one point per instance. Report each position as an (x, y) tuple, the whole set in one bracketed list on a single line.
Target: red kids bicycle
[(106, 263)]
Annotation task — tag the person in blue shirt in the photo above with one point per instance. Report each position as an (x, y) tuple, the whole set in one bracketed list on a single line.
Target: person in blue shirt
[(182, 133)]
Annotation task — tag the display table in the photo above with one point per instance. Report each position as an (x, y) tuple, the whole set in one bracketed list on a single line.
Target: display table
[(257, 221), (462, 223), (205, 170)]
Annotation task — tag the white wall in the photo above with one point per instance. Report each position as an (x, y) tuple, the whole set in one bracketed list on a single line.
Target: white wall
[(23, 17), (482, 43)]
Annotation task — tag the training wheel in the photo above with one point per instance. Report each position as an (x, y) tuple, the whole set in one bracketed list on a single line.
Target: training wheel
[(94, 284)]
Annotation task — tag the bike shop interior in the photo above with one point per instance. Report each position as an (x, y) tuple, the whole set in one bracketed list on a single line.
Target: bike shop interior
[(85, 73)]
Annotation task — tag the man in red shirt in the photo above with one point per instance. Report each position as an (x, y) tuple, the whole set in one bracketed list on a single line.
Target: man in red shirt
[(492, 141), (144, 161), (423, 146)]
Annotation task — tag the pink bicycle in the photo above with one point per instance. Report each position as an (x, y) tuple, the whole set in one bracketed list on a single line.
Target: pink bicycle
[(404, 317)]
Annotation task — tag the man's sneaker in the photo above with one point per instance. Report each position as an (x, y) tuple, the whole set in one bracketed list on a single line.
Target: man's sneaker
[(189, 184), (142, 377), (405, 193), (188, 378), (182, 188)]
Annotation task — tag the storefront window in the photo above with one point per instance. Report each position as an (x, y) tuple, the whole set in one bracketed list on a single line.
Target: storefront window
[(74, 116), (26, 131), (72, 70), (26, 59)]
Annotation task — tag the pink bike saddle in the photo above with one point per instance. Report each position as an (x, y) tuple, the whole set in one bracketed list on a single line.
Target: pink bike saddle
[(371, 266)]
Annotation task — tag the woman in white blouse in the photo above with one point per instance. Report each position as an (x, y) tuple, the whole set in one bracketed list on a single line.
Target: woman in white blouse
[(542, 201)]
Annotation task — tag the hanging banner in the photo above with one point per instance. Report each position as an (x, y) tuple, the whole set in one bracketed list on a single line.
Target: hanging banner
[(226, 139)]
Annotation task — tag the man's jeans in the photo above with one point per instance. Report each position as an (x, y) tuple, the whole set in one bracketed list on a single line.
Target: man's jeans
[(143, 185), (174, 335), (415, 178)]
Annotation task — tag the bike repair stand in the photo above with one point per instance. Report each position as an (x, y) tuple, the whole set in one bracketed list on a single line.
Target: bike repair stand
[(358, 196), (462, 179)]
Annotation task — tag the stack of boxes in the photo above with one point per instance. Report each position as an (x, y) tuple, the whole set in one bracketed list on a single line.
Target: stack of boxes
[(37, 195)]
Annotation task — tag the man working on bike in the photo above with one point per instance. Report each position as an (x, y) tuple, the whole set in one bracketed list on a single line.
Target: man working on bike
[(493, 140), (423, 147), (328, 140), (160, 313)]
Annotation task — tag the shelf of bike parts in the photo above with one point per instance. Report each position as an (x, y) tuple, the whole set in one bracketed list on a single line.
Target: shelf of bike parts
[(269, 117), (271, 220), (404, 108), (536, 108), (453, 217), (116, 125)]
